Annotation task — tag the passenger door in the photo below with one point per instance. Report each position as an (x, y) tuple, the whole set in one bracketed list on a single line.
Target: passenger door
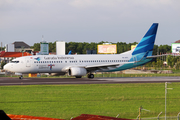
[(28, 63)]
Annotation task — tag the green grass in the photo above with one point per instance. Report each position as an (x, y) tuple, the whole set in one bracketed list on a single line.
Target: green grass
[(66, 101)]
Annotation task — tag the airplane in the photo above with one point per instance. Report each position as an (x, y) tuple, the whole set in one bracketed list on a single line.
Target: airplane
[(80, 65)]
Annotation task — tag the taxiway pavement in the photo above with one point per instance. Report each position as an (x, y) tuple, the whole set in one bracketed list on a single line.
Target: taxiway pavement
[(50, 81)]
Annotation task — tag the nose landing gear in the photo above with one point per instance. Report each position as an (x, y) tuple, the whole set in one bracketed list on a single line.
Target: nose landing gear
[(21, 77)]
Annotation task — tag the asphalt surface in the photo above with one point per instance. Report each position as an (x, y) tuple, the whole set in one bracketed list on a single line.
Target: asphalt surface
[(45, 81)]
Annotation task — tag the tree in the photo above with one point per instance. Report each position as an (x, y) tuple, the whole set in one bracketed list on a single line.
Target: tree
[(52, 47), (2, 48), (80, 48), (171, 60), (159, 63), (2, 64), (155, 50), (36, 46)]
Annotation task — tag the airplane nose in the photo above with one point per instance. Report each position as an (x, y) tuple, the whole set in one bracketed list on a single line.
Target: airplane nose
[(6, 67)]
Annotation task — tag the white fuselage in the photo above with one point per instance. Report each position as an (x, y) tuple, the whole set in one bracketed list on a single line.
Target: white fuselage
[(61, 63)]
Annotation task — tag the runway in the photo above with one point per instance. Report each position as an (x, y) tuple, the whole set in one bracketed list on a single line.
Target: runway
[(50, 81)]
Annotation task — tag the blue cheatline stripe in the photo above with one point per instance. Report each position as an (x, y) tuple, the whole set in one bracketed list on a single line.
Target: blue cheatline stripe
[(141, 47), (143, 50), (130, 65), (145, 38), (148, 41)]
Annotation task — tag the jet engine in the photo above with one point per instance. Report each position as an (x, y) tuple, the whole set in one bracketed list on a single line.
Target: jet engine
[(77, 71)]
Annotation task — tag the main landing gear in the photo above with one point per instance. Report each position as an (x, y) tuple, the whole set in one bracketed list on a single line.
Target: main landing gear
[(90, 76), (21, 77)]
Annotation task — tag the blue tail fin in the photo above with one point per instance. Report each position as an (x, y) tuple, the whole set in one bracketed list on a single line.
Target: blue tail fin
[(145, 46)]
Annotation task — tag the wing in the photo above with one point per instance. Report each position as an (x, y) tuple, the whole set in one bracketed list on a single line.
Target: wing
[(97, 67), (105, 66)]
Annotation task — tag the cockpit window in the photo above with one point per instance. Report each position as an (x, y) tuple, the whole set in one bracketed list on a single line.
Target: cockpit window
[(14, 61)]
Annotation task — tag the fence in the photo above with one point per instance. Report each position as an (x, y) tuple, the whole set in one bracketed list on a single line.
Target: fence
[(162, 118)]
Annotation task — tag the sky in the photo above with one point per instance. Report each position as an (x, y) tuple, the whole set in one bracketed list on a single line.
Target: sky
[(88, 20)]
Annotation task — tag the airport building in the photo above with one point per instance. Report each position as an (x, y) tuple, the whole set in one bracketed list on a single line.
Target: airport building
[(13, 50), (18, 46)]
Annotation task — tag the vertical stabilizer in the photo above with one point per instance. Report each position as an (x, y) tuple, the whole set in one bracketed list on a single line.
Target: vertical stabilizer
[(145, 46)]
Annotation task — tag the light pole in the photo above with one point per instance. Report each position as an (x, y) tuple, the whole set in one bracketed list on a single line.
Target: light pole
[(165, 95)]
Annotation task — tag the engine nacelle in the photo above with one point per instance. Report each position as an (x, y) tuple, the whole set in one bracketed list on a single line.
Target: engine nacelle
[(77, 71)]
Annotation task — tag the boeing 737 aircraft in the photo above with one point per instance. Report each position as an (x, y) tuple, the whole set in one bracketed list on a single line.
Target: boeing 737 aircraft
[(80, 65)]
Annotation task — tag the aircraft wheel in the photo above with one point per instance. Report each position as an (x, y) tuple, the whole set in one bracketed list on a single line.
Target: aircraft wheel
[(90, 75), (21, 77)]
